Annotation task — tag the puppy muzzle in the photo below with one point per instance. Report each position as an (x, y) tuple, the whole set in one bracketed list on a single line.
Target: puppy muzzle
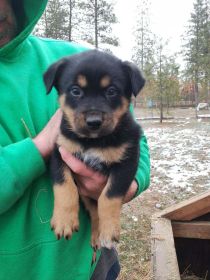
[(94, 120)]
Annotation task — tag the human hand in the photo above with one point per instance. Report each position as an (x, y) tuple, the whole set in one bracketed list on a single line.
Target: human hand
[(45, 140), (131, 192), (89, 182)]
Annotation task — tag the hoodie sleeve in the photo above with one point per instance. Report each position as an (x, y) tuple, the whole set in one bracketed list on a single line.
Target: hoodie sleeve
[(143, 172), (20, 164)]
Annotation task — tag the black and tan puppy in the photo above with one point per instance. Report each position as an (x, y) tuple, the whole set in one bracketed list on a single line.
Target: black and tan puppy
[(95, 90)]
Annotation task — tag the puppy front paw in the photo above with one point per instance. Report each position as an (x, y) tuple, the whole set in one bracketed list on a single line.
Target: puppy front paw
[(109, 235), (64, 224), (95, 240)]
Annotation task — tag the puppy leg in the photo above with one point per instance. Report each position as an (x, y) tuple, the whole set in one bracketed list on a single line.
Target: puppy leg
[(66, 199), (92, 208), (109, 219), (111, 199)]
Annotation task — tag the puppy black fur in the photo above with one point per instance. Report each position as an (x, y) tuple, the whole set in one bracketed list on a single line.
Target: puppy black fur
[(95, 91)]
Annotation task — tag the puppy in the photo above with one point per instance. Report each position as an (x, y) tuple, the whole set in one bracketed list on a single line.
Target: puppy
[(95, 90)]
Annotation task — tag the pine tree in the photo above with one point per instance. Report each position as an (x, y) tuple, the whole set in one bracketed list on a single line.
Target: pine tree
[(144, 39), (197, 48), (167, 80), (72, 18), (143, 50), (90, 21), (61, 20), (55, 18), (99, 18)]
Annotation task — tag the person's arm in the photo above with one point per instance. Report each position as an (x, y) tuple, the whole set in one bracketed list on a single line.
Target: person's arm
[(22, 162), (142, 177), (143, 172)]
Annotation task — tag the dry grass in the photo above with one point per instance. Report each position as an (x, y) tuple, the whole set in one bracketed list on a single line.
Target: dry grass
[(191, 277), (134, 246), (188, 275)]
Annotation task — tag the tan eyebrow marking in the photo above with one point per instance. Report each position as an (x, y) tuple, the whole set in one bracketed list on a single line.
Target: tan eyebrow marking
[(105, 81), (82, 81)]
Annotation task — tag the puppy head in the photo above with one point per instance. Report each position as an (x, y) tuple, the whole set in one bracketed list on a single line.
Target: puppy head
[(95, 90)]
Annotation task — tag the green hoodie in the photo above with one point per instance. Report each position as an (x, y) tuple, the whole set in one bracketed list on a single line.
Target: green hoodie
[(28, 248)]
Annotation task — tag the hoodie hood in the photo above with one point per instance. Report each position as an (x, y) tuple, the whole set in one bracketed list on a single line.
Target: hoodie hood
[(27, 13)]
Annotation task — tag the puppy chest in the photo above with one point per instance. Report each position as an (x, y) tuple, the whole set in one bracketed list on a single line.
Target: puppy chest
[(98, 158), (94, 162), (101, 159)]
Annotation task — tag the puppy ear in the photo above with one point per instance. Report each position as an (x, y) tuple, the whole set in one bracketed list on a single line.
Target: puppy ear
[(136, 79), (51, 76)]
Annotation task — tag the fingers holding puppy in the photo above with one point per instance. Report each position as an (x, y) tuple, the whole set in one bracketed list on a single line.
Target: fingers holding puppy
[(46, 139), (89, 182)]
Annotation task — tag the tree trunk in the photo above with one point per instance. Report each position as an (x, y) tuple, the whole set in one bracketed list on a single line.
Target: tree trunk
[(70, 20), (46, 25), (142, 44), (161, 87), (96, 24), (196, 98)]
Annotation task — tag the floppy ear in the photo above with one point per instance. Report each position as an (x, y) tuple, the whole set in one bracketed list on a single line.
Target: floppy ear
[(51, 76), (136, 79)]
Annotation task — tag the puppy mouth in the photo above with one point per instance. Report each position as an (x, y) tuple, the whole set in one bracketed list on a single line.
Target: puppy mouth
[(92, 124), (86, 132), (94, 128)]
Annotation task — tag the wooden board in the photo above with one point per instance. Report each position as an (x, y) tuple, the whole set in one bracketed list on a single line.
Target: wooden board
[(164, 260), (189, 209), (200, 230)]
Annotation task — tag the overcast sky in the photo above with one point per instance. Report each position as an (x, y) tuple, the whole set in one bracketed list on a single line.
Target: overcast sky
[(168, 20)]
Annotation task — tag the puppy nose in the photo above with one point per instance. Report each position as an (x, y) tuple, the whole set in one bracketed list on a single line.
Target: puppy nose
[(94, 120)]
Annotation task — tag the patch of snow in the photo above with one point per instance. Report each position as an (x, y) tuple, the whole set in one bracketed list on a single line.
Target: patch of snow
[(180, 157), (135, 219), (158, 205)]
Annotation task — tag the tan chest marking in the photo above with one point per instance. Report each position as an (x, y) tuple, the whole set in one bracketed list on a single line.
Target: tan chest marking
[(110, 155), (69, 145)]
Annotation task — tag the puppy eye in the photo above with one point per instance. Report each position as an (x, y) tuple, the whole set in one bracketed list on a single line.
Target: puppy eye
[(76, 91), (111, 91)]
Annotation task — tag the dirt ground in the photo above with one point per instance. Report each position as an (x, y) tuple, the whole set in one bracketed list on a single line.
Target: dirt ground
[(180, 168)]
